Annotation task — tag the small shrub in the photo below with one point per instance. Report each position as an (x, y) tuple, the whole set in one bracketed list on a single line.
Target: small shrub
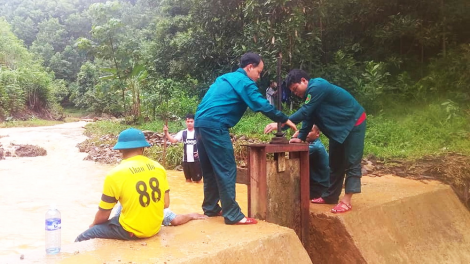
[(172, 157)]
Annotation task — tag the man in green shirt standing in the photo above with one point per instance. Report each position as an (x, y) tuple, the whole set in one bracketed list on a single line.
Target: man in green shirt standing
[(343, 120), (221, 108)]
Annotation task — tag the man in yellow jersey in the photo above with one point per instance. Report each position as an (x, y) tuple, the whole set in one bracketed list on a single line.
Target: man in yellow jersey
[(141, 187)]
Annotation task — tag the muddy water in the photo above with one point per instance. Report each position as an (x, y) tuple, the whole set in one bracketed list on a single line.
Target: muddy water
[(29, 184)]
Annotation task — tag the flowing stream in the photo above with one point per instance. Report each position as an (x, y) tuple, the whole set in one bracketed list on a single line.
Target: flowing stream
[(28, 185)]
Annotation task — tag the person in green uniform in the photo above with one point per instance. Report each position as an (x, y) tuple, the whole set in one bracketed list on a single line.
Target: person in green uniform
[(318, 164), (221, 108), (343, 120)]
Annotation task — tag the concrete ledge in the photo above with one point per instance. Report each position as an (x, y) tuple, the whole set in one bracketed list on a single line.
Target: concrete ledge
[(198, 242), (395, 220)]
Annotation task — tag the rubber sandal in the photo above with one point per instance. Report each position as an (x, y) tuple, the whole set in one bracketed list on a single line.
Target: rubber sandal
[(249, 221), (340, 209), (318, 201)]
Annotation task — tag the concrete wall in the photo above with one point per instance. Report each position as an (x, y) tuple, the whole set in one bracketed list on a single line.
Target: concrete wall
[(207, 241), (394, 220)]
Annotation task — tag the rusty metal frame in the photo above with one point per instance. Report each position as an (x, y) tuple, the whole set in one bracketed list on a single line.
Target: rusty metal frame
[(257, 185)]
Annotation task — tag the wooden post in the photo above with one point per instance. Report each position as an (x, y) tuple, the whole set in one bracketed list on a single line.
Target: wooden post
[(257, 188), (259, 201), (164, 146)]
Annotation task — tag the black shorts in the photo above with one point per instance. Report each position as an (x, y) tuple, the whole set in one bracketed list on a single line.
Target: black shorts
[(192, 170)]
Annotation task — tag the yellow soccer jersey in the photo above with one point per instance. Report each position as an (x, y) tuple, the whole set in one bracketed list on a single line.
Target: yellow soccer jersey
[(139, 184)]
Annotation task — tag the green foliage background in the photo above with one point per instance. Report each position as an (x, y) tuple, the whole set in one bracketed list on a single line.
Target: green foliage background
[(151, 61), (24, 83)]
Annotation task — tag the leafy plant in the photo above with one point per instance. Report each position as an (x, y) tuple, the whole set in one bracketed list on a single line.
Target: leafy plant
[(451, 108), (372, 84), (173, 157)]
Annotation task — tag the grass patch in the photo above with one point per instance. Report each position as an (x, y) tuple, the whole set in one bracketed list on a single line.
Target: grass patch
[(252, 126), (411, 132), (34, 122), (112, 127), (173, 157), (406, 131), (101, 128), (74, 114)]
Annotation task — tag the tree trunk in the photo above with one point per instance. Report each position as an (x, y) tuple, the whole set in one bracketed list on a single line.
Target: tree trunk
[(422, 59), (321, 31), (443, 30), (117, 73)]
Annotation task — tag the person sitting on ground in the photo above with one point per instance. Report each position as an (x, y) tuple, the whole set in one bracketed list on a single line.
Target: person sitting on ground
[(141, 187), (191, 165), (172, 219), (318, 163)]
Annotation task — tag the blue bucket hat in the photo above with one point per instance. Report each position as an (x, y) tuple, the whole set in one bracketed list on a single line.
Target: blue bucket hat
[(131, 138)]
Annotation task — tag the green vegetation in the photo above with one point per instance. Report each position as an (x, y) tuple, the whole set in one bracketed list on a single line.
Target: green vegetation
[(148, 61), (252, 125), (424, 131), (406, 132), (33, 122), (101, 128), (24, 84), (154, 59), (174, 152), (73, 114), (403, 131)]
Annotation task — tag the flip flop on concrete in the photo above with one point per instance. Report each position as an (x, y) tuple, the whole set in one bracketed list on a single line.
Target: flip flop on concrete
[(341, 207), (247, 221)]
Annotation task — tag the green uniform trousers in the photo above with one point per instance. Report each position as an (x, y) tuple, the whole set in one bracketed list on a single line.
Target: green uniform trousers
[(345, 159), (219, 172)]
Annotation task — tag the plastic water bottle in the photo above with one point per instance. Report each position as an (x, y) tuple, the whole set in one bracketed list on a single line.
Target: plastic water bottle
[(53, 226)]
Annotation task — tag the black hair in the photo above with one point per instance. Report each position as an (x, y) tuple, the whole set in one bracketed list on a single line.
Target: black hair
[(250, 58), (294, 76), (190, 116)]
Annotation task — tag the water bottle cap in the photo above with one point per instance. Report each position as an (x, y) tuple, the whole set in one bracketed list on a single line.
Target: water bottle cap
[(53, 206)]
